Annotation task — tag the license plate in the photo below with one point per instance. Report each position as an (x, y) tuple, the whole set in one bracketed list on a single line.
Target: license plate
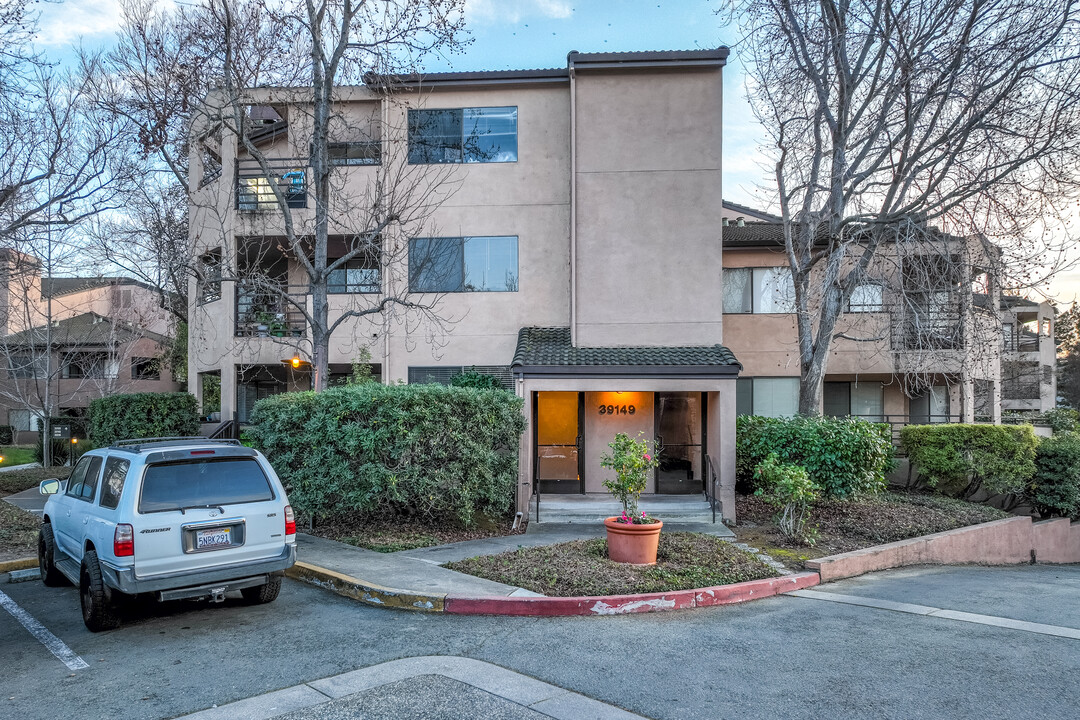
[(211, 538)]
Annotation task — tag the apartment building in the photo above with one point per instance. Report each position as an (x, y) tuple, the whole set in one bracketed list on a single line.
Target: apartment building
[(573, 245), (939, 344), (73, 339)]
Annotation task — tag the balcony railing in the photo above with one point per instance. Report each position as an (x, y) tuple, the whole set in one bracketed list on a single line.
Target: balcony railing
[(269, 314), (898, 422), (255, 188)]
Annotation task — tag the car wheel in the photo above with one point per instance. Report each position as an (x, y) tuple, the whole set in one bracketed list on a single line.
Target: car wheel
[(97, 603), (262, 594), (46, 558)]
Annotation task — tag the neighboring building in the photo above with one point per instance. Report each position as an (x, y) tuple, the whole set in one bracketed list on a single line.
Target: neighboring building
[(584, 238), (106, 335), (914, 347)]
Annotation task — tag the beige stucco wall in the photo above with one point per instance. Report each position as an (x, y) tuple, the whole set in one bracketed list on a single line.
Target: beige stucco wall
[(647, 208)]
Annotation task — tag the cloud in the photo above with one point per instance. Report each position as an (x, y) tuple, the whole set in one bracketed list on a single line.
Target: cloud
[(64, 23), (512, 11)]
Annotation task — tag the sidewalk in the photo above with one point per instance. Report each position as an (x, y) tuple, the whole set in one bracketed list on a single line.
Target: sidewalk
[(415, 580)]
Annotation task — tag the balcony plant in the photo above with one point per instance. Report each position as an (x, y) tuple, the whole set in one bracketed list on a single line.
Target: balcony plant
[(633, 537)]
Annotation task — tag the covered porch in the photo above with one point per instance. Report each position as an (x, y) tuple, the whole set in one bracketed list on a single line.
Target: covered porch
[(577, 399)]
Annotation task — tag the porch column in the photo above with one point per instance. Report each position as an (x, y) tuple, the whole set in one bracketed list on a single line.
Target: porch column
[(525, 450), (721, 443), (228, 391)]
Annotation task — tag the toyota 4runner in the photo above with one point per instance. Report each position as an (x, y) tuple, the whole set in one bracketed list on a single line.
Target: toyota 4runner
[(172, 517)]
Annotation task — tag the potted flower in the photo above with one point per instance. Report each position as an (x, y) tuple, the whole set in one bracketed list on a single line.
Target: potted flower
[(633, 537)]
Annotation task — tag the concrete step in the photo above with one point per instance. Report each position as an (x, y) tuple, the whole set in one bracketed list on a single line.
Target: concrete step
[(594, 508)]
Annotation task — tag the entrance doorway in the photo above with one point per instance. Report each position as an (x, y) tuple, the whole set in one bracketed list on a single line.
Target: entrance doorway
[(679, 435), (558, 442)]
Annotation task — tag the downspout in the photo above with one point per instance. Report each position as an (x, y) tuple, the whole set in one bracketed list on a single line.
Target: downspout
[(385, 370), (573, 200)]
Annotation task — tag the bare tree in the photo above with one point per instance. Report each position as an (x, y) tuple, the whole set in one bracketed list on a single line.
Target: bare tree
[(354, 227), (893, 124)]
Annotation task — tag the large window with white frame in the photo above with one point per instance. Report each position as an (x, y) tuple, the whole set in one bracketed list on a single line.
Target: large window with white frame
[(863, 399), (770, 397), (866, 298), (758, 290), (463, 264), (463, 135)]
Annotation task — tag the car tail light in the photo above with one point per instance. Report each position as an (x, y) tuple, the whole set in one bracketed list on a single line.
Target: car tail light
[(290, 521), (123, 544)]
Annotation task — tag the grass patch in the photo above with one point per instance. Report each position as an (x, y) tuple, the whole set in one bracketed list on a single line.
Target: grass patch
[(845, 525), (17, 455), (388, 535), (18, 532), (684, 561), (14, 481)]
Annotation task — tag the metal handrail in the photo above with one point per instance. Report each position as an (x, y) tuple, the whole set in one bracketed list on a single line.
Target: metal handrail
[(711, 487)]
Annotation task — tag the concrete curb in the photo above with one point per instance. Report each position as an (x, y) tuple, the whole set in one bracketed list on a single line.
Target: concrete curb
[(624, 604), (366, 592), (20, 564), (380, 596)]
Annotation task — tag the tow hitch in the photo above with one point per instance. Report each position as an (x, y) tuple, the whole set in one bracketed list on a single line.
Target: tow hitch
[(217, 594)]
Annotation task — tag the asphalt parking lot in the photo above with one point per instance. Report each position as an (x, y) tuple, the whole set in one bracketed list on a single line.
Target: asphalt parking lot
[(784, 657)]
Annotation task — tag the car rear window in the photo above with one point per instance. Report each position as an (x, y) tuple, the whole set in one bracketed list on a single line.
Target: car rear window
[(194, 483)]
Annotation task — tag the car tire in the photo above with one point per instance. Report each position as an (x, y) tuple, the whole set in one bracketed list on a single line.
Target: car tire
[(262, 594), (98, 610), (47, 558)]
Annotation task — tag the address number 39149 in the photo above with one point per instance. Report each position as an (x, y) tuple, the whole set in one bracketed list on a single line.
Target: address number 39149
[(616, 409)]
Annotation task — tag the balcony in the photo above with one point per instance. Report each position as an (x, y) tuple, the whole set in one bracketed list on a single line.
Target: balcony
[(255, 188), (266, 313)]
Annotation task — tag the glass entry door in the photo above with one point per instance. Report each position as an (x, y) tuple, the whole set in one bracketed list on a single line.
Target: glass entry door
[(679, 435), (558, 442)]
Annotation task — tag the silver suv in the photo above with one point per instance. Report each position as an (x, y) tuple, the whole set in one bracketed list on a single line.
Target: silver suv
[(175, 517)]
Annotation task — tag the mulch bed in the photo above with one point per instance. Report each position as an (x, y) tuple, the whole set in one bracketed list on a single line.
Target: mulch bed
[(18, 532), (685, 561), (845, 525), (13, 481), (395, 534)]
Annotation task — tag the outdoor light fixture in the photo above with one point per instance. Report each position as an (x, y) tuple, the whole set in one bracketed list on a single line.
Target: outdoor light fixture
[(74, 441), (295, 362)]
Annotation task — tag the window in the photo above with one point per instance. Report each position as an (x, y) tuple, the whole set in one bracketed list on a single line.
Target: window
[(113, 482), (444, 374), (468, 135), (26, 367), (145, 369), (463, 264), (866, 298), (232, 481), (859, 399), (1020, 380), (83, 482), (358, 275), (759, 290), (210, 277), (24, 420), (930, 406), (94, 366), (355, 153), (771, 397)]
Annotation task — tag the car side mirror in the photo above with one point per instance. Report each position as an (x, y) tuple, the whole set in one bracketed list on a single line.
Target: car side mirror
[(49, 487)]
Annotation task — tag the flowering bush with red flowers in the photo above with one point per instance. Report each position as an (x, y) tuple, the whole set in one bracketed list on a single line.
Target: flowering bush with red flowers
[(632, 460)]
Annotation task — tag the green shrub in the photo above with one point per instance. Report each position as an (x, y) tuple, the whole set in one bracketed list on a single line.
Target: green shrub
[(843, 456), (423, 449), (1055, 487), (788, 488), (7, 435), (474, 379), (1062, 419), (958, 460), (140, 415)]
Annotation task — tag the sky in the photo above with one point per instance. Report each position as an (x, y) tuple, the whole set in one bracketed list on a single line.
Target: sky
[(524, 34)]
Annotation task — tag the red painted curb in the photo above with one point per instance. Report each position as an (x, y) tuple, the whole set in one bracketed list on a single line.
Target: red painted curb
[(622, 604)]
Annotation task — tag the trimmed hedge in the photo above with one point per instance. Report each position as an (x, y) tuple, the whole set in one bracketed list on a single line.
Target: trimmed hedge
[(1055, 487), (423, 449), (140, 415), (844, 456), (959, 459)]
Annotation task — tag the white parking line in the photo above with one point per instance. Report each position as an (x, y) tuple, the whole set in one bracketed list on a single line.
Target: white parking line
[(52, 643), (992, 620)]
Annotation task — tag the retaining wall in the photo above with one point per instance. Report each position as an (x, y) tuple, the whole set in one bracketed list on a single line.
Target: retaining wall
[(1002, 542)]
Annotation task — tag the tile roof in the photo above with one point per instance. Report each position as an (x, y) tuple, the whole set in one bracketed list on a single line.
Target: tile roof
[(57, 286), (550, 346), (88, 329)]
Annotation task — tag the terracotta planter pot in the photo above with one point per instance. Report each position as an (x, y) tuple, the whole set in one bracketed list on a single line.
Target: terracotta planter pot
[(634, 544)]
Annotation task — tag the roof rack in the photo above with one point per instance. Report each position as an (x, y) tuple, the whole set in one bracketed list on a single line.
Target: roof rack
[(135, 445)]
